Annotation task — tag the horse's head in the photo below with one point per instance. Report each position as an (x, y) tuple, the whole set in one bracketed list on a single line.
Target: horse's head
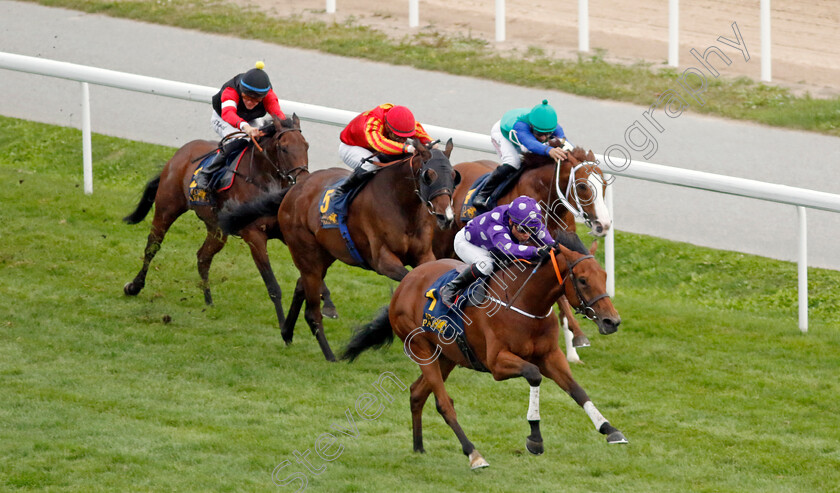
[(286, 149), (585, 286), (436, 182), (585, 190)]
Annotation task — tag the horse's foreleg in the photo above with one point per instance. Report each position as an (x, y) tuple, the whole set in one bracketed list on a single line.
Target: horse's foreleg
[(298, 297), (420, 391), (160, 225), (580, 339), (312, 292), (257, 242), (328, 310), (389, 265), (214, 242), (508, 365), (555, 367), (571, 352)]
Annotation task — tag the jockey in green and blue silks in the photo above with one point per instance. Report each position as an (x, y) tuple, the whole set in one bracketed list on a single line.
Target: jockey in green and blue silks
[(519, 131)]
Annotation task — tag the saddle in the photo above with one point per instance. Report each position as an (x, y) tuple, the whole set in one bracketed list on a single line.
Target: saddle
[(334, 211), (219, 181), (469, 209)]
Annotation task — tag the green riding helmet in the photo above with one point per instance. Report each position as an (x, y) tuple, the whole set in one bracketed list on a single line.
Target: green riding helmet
[(543, 118)]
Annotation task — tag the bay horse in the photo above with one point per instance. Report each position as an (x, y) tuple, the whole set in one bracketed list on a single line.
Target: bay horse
[(391, 222), (576, 182), (515, 335), (283, 159)]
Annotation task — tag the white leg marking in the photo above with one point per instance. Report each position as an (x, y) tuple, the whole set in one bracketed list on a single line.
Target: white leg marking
[(571, 352), (534, 404), (594, 414)]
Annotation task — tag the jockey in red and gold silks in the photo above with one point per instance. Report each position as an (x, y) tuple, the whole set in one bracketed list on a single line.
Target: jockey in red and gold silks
[(368, 130)]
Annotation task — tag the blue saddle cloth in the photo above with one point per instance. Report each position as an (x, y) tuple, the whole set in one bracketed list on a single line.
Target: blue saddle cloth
[(221, 179), (447, 321), (334, 215), (469, 210)]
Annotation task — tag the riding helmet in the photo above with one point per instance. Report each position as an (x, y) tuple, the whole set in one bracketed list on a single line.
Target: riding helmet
[(543, 118), (525, 211), (400, 121), (255, 81)]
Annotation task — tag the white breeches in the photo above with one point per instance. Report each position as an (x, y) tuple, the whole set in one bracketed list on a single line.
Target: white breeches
[(472, 254), (353, 156), (507, 152)]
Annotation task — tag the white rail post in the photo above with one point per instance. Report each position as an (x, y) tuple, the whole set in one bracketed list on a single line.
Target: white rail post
[(500, 20), (609, 242), (583, 25), (803, 269), (674, 33), (87, 159), (330, 6), (413, 13), (765, 41)]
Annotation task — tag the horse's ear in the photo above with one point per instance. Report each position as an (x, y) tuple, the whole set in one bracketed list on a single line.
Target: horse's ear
[(448, 149), (421, 149), (590, 156), (295, 120), (593, 248), (429, 176), (457, 179)]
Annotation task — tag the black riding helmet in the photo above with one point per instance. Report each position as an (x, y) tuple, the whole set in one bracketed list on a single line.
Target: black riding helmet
[(255, 83)]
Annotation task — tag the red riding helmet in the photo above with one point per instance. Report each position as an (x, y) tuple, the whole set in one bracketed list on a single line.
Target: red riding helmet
[(400, 120)]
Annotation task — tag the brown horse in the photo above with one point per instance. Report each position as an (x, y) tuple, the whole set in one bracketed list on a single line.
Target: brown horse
[(391, 222), (283, 159), (577, 180), (514, 335)]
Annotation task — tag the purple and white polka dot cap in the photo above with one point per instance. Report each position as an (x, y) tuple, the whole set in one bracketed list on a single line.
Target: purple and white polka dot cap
[(525, 211)]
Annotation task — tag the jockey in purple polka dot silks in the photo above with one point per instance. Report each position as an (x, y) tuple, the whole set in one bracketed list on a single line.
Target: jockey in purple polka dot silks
[(503, 232)]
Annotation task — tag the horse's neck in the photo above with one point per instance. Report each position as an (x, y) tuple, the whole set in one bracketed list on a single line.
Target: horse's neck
[(536, 293), (396, 187)]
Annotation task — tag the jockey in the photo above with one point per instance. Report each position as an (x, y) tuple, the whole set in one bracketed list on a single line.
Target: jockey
[(501, 232), (519, 131), (244, 103), (383, 130)]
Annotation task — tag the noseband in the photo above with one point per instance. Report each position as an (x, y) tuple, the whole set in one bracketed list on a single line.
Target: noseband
[(571, 192), (585, 307), (291, 175), (427, 201)]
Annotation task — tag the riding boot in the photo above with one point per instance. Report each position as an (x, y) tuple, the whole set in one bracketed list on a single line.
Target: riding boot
[(491, 187), (202, 179), (358, 177), (449, 292)]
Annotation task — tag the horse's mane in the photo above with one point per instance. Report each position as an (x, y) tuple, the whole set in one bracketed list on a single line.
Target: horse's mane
[(531, 160), (572, 241)]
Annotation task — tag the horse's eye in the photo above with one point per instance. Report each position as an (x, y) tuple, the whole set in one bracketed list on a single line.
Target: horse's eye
[(582, 281), (581, 188)]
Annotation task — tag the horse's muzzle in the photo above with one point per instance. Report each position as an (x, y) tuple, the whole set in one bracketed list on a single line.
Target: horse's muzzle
[(608, 325)]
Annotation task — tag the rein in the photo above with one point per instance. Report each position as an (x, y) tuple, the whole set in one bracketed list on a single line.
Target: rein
[(289, 176), (585, 306)]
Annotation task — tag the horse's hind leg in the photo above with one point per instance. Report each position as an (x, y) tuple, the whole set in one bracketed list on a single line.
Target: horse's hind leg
[(298, 297), (328, 310), (555, 367), (433, 375), (213, 243), (420, 391), (160, 225), (257, 242)]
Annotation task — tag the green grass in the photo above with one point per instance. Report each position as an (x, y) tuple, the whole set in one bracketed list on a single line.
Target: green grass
[(590, 76), (708, 376)]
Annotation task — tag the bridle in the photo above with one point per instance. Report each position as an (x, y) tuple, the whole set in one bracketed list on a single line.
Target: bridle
[(290, 176), (585, 307), (427, 201), (571, 193)]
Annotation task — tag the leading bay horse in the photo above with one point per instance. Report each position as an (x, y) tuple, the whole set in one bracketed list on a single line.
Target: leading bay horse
[(284, 157), (576, 182), (391, 222), (514, 335)]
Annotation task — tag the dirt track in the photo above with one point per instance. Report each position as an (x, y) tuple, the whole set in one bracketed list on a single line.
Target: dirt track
[(805, 34)]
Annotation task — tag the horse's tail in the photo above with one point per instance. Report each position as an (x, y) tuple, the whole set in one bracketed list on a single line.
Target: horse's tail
[(236, 216), (374, 334), (146, 202)]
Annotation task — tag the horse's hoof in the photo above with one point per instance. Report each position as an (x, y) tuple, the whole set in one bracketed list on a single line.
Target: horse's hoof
[(580, 341), (477, 461), (616, 437), (329, 312), (535, 448), (131, 289)]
